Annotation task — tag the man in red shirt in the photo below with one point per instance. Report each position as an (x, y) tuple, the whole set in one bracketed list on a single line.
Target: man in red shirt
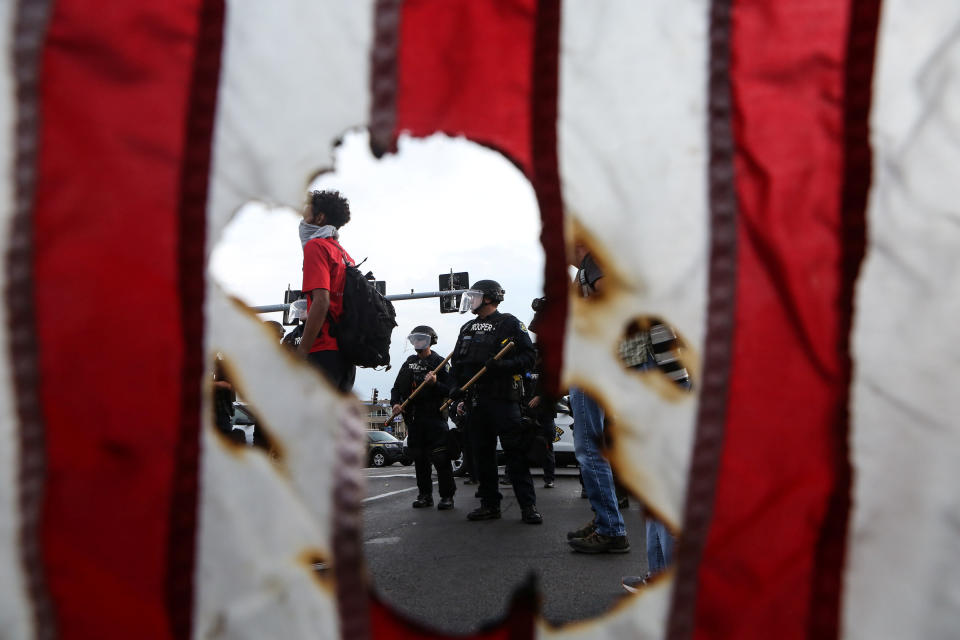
[(324, 275)]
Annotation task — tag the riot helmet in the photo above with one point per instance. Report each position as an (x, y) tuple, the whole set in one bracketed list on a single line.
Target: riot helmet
[(473, 298), (422, 337)]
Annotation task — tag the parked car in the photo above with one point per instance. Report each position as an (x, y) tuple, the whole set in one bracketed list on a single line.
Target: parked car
[(563, 452), (406, 459), (383, 449), (244, 420)]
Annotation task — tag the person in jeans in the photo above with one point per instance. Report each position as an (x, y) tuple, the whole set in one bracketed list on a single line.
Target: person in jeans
[(324, 276), (607, 533)]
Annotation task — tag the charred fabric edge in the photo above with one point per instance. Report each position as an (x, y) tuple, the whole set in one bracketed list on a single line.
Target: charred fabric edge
[(858, 170), (349, 570), (383, 76), (546, 184), (711, 418), (32, 19), (192, 212)]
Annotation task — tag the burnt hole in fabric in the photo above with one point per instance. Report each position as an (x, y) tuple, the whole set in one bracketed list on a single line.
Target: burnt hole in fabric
[(652, 345)]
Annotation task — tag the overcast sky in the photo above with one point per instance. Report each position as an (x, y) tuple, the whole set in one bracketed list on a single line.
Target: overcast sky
[(439, 203)]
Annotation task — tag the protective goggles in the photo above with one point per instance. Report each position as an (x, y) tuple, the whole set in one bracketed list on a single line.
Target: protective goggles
[(298, 309), (471, 300), (420, 341)]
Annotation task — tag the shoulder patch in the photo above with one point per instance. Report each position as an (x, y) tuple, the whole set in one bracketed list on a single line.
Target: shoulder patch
[(523, 327)]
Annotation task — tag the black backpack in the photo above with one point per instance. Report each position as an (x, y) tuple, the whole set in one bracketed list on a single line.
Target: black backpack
[(366, 322)]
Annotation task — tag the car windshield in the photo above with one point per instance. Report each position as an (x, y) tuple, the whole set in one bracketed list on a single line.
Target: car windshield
[(381, 436)]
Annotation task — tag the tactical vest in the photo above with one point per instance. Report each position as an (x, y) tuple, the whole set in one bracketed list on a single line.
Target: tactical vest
[(426, 406), (478, 346)]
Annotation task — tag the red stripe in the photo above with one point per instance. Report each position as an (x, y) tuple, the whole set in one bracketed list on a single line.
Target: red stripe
[(858, 169), (29, 32), (544, 105), (487, 71), (463, 68), (194, 180), (109, 320), (782, 459)]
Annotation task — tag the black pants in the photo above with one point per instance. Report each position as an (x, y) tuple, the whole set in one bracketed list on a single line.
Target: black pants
[(422, 459), (489, 418), (332, 365), (427, 438), (469, 459), (549, 431)]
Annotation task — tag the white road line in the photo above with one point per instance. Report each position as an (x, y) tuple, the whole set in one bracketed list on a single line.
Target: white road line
[(392, 493), (408, 475)]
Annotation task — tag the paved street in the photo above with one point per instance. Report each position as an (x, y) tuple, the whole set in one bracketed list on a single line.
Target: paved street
[(440, 568)]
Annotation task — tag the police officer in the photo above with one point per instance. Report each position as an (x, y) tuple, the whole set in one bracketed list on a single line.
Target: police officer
[(426, 426), (494, 400)]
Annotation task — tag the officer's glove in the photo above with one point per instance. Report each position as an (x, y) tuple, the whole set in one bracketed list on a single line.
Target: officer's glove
[(457, 394), (493, 365)]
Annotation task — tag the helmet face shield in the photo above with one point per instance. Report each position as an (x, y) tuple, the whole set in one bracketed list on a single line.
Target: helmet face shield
[(420, 341), (471, 300)]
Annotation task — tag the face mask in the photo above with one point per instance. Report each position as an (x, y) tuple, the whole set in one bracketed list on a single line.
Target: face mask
[(420, 341), (471, 300)]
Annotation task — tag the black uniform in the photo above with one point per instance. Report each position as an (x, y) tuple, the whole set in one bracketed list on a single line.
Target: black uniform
[(494, 402), (426, 426), (543, 417)]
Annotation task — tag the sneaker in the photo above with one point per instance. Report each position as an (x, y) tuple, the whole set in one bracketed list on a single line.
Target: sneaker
[(583, 531), (422, 502), (599, 543), (530, 515), (548, 484), (484, 513), (505, 481), (469, 481), (445, 503), (633, 583)]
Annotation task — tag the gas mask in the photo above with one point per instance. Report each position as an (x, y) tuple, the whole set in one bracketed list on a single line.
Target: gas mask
[(471, 300), (420, 341)]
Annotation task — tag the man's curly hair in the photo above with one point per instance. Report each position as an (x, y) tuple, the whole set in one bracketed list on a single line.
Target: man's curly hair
[(332, 205)]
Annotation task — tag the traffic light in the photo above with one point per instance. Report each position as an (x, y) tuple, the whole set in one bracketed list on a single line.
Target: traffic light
[(451, 282)]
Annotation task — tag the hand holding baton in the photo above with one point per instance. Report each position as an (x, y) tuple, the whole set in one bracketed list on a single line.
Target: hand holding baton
[(476, 377), (418, 389)]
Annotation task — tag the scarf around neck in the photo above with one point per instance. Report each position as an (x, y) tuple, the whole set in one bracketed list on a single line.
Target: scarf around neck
[(310, 231)]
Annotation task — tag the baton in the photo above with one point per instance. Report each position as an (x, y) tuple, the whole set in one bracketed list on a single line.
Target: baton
[(417, 390), (482, 371)]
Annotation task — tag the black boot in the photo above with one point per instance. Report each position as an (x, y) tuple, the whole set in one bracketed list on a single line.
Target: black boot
[(484, 513), (422, 502), (444, 504), (530, 515)]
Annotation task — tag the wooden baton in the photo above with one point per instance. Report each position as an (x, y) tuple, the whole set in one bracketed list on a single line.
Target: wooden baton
[(482, 371), (418, 389)]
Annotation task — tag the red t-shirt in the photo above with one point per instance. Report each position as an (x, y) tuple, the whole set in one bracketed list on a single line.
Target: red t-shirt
[(323, 268)]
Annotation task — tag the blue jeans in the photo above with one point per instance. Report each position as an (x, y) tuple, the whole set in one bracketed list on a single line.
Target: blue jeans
[(597, 476), (659, 546)]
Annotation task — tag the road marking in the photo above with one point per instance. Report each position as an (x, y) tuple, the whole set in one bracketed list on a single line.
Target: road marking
[(408, 475), (384, 541), (392, 493)]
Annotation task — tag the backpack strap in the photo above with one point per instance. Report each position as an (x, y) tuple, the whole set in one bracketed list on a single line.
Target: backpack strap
[(343, 253)]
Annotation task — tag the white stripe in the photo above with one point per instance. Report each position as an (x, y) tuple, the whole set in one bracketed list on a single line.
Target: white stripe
[(294, 77), (633, 164), (392, 493), (903, 573), (16, 618), (406, 475), (633, 160)]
